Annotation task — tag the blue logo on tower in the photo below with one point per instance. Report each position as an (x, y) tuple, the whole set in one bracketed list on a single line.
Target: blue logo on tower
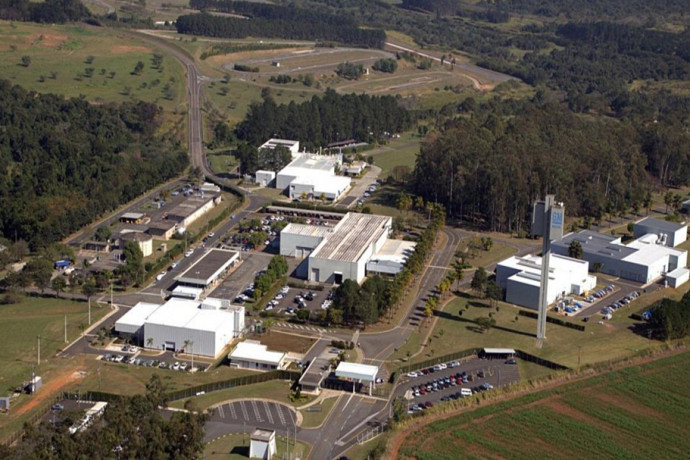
[(557, 219)]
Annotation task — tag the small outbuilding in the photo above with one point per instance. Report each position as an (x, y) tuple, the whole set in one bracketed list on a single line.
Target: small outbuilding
[(677, 277), (254, 355), (262, 444), (132, 218), (264, 178), (669, 234), (143, 240)]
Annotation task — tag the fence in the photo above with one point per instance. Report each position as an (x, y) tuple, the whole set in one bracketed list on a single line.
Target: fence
[(235, 382), (541, 361)]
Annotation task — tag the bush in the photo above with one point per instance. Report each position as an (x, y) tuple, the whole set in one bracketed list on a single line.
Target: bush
[(245, 68), (385, 65)]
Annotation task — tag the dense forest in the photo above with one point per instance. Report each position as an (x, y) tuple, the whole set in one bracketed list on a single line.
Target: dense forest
[(324, 119), (49, 11), (66, 161), (131, 427), (275, 21), (489, 169)]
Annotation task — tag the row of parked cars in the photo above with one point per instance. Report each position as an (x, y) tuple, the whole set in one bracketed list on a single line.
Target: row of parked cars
[(371, 189), (621, 303), (146, 362), (437, 368), (600, 294)]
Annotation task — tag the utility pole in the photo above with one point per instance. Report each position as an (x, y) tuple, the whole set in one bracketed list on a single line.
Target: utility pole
[(579, 353), (65, 328), (39, 350), (111, 294), (89, 310), (547, 222)]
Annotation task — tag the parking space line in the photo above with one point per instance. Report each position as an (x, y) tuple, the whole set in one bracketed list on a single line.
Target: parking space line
[(268, 413), (280, 414), (244, 410), (221, 412), (232, 411), (256, 411)]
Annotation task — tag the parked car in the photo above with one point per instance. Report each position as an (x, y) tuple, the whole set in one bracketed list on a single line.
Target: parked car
[(189, 252), (57, 406), (412, 375), (183, 366), (175, 366), (511, 361)]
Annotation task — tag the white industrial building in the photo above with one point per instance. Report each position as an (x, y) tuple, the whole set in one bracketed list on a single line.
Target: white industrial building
[(520, 278), (313, 176), (209, 269), (292, 146), (208, 326), (185, 213), (345, 251), (643, 260), (264, 178), (668, 234), (254, 355)]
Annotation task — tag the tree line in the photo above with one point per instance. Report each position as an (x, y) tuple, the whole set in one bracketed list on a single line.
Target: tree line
[(309, 28), (324, 119), (67, 161), (670, 319), (49, 11)]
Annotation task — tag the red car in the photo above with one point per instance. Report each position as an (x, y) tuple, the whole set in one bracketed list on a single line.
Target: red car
[(422, 390), (428, 404)]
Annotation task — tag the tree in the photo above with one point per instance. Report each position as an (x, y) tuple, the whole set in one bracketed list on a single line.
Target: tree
[(399, 409), (575, 249), (149, 342), (647, 201), (155, 391), (668, 199), (138, 68), (493, 292), (479, 281), (400, 173), (89, 288), (26, 61), (485, 323), (58, 284), (40, 271), (103, 233), (404, 202), (459, 267)]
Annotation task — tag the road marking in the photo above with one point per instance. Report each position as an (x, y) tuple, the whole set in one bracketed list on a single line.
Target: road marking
[(256, 411), (280, 414), (221, 413), (268, 412), (244, 410), (232, 411)]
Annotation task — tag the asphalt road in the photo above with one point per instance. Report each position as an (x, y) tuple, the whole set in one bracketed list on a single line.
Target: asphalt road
[(247, 414)]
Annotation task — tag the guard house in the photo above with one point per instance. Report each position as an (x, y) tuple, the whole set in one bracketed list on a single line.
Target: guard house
[(357, 373), (262, 444), (132, 218)]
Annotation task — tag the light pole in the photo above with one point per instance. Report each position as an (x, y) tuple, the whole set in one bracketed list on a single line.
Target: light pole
[(39, 350)]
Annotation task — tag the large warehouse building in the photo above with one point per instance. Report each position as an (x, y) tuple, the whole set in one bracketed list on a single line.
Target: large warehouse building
[(209, 269), (520, 278), (313, 176), (642, 260), (345, 251), (206, 326)]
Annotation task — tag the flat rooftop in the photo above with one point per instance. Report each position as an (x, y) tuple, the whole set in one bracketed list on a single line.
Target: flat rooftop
[(597, 243), (262, 435), (307, 230), (351, 237), (357, 371), (191, 205), (662, 225), (184, 313), (273, 143), (395, 250), (136, 316), (311, 162), (209, 265), (250, 350), (132, 215)]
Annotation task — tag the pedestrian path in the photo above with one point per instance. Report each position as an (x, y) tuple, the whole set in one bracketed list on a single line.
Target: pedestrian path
[(302, 327)]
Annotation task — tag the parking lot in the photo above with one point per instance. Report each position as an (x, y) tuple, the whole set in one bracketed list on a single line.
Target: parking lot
[(164, 361), (481, 375), (255, 413)]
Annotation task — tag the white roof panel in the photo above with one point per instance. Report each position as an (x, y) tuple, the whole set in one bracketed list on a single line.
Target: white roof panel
[(357, 371), (499, 351), (136, 316), (256, 352)]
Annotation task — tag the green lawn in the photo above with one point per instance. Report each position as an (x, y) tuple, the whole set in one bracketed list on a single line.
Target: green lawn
[(637, 412), (236, 447), (59, 58), (315, 419), (402, 151), (278, 390), (498, 252), (34, 316), (599, 342), (222, 162)]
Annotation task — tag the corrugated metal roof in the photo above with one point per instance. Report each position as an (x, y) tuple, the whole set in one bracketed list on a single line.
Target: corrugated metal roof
[(351, 236)]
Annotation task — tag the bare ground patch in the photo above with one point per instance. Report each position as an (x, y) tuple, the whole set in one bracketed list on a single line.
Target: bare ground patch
[(121, 49)]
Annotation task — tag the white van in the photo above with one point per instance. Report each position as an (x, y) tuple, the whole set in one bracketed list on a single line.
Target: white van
[(466, 392)]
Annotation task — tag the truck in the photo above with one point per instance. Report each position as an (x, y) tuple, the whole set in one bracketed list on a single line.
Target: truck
[(63, 263)]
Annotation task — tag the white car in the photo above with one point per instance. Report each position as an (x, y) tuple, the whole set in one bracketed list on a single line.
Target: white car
[(211, 235), (161, 275), (189, 252), (443, 366), (175, 366), (412, 375), (183, 366)]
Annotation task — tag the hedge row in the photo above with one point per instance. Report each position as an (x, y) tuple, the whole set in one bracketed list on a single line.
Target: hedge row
[(549, 319), (305, 286), (310, 207)]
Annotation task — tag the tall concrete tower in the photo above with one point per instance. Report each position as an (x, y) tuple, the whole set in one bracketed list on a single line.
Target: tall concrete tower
[(547, 222)]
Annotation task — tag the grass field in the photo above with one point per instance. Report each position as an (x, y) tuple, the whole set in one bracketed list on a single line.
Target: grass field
[(638, 412), (280, 341), (222, 162), (34, 316), (315, 419), (277, 390), (236, 447), (61, 56), (599, 342), (498, 252), (401, 151)]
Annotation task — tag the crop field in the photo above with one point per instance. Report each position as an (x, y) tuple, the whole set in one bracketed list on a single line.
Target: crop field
[(94, 62), (637, 412)]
